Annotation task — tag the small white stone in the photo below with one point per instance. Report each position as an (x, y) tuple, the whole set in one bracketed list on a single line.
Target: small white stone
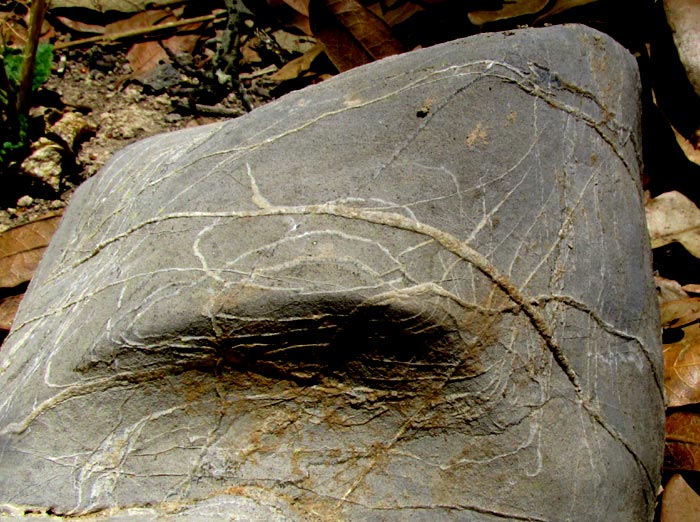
[(25, 201)]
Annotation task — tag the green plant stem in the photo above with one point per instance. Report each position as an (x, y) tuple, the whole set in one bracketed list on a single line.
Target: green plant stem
[(36, 19)]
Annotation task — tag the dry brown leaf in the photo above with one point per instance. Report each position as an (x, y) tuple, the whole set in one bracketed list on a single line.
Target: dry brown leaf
[(682, 441), (339, 46), (122, 6), (673, 217), (293, 43), (13, 30), (143, 57), (563, 5), (682, 368), (680, 503), (294, 14), (81, 27), (300, 6), (369, 30), (675, 314), (249, 54), (669, 290), (691, 152), (297, 66), (509, 10), (21, 249), (143, 20), (351, 34), (397, 13), (691, 289), (8, 309)]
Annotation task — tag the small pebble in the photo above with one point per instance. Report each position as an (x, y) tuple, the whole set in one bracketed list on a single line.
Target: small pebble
[(133, 94), (25, 201), (173, 117)]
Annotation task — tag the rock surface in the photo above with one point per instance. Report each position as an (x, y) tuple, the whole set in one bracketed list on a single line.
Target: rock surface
[(419, 290)]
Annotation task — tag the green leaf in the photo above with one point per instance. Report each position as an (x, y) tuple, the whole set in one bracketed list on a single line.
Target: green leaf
[(13, 64), (9, 149), (42, 67)]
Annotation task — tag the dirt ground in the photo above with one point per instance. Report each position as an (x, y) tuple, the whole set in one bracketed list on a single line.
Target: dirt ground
[(119, 114), (96, 85)]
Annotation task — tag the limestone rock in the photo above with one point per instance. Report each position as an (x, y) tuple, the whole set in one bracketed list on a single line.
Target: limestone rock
[(420, 290), (45, 163)]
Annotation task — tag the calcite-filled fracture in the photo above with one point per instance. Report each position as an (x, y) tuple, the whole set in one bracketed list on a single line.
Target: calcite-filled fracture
[(419, 291)]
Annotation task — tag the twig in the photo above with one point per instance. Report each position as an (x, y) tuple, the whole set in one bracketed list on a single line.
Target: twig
[(207, 110), (138, 32), (36, 18), (226, 61), (270, 69)]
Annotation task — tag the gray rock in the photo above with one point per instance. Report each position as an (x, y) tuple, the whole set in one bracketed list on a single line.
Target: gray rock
[(419, 291)]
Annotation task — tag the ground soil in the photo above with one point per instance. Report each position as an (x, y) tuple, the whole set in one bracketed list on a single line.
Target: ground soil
[(97, 82), (119, 112)]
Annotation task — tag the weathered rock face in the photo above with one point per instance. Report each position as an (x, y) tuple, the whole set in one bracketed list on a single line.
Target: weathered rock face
[(420, 290)]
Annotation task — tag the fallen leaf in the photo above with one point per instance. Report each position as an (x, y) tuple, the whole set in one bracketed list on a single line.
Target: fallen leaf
[(293, 43), (144, 57), (340, 47), (669, 290), (298, 66), (673, 217), (680, 503), (142, 20), (292, 13), (8, 309), (13, 30), (675, 314), (561, 6), (682, 368), (122, 6), (508, 10), (248, 52), (81, 27), (301, 6), (394, 13), (371, 32), (691, 288), (352, 35), (682, 450), (21, 249), (691, 152)]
